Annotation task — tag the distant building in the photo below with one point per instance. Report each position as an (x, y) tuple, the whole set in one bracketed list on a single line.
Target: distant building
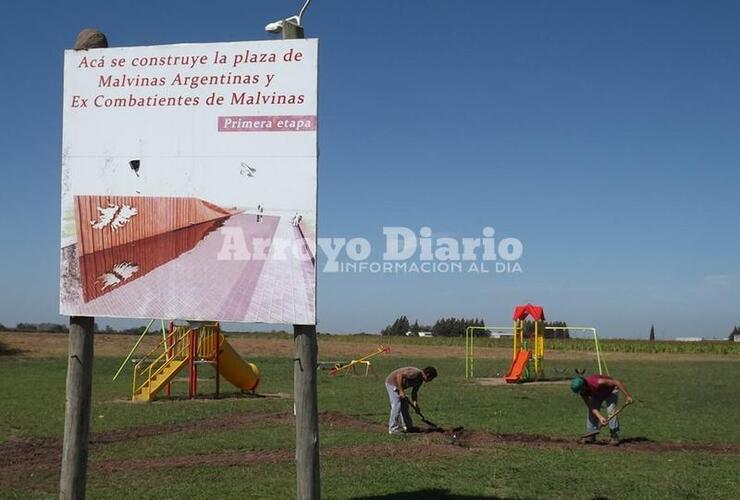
[(689, 339), (498, 335), (421, 334)]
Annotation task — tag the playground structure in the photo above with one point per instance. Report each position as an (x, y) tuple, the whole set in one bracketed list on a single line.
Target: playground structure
[(347, 368), (528, 360), (522, 355), (185, 346)]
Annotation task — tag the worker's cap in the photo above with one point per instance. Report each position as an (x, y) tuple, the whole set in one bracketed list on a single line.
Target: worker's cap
[(577, 384)]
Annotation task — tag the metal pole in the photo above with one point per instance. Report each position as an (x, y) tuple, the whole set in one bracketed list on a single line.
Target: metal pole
[(169, 342), (472, 356), (164, 335), (304, 385), (133, 349), (598, 353), (196, 340), (217, 351), (467, 355), (73, 476)]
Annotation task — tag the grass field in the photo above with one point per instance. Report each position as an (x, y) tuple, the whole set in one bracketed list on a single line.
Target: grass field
[(682, 435)]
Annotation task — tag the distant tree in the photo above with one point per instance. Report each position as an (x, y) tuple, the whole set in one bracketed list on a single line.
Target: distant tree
[(403, 325), (560, 333), (25, 327), (734, 334), (130, 331), (415, 329), (560, 330), (109, 329), (441, 328), (652, 333), (51, 327), (455, 327), (2, 328), (397, 328), (479, 332), (528, 328)]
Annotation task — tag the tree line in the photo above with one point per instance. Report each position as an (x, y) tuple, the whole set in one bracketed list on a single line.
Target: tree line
[(558, 329), (59, 328), (735, 333), (455, 327), (444, 327)]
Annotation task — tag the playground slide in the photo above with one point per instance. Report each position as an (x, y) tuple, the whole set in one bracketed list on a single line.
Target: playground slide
[(517, 367), (245, 376)]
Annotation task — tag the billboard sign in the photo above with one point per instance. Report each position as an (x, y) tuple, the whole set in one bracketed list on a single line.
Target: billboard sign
[(189, 182)]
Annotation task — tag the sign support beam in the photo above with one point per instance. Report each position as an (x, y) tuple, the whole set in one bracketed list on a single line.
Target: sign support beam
[(305, 392), (73, 478)]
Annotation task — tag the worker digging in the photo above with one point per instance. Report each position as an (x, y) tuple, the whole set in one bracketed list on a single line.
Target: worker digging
[(396, 384)]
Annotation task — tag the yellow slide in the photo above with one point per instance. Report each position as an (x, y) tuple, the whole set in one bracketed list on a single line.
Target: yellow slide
[(245, 376)]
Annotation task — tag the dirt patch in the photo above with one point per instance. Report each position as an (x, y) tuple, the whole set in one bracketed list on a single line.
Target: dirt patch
[(17, 456), (340, 420), (40, 453), (212, 424), (30, 452), (484, 439), (409, 449), (20, 459), (44, 345)]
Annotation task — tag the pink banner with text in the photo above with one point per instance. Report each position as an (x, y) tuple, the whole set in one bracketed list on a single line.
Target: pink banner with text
[(281, 123)]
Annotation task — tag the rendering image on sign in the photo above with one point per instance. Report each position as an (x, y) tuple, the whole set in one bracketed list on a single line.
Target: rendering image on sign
[(189, 182)]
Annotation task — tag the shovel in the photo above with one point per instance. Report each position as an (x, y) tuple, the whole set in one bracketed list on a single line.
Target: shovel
[(612, 417), (434, 427), (424, 419), (456, 432)]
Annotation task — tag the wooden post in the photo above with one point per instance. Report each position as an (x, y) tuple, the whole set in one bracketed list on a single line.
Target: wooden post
[(306, 412), (77, 408), (304, 385), (73, 477), (292, 31)]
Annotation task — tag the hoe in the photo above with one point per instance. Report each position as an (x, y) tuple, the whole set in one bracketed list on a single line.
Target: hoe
[(612, 417), (456, 431)]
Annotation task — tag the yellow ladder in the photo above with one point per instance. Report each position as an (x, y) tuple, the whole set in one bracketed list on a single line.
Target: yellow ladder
[(160, 371)]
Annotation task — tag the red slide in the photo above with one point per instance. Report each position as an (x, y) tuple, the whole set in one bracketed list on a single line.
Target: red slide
[(517, 367)]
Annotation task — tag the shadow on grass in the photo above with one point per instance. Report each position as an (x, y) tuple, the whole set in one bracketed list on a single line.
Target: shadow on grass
[(426, 494), (207, 398), (638, 439), (224, 396)]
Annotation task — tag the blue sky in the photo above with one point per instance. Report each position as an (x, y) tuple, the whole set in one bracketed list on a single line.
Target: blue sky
[(603, 135)]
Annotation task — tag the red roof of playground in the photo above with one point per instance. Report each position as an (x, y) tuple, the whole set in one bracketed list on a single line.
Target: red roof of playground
[(521, 312)]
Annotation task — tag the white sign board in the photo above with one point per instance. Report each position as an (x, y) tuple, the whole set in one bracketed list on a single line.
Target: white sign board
[(189, 182)]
